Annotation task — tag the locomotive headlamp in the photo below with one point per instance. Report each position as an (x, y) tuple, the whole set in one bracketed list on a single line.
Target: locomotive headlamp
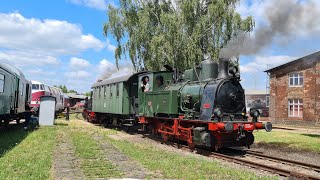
[(233, 70), (218, 112)]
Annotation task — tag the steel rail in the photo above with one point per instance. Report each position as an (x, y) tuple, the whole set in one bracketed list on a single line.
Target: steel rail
[(272, 169), (283, 160)]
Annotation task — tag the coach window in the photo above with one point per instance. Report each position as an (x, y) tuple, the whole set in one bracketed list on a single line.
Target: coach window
[(110, 91), (105, 91), (21, 90), (1, 83), (100, 92), (117, 89), (42, 87)]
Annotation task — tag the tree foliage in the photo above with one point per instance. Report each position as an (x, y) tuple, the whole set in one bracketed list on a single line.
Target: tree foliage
[(65, 89), (175, 32)]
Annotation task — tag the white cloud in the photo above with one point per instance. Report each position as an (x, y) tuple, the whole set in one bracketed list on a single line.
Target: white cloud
[(40, 72), (110, 46), (77, 63), (77, 74), (47, 36), (96, 4), (261, 63), (35, 46), (23, 59)]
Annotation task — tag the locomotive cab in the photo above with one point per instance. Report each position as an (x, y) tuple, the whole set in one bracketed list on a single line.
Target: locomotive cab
[(155, 97)]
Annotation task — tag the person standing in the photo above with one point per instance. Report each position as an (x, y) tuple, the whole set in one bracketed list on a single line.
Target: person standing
[(67, 112)]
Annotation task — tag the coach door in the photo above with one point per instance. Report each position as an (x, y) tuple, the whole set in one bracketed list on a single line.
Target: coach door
[(16, 94), (27, 95)]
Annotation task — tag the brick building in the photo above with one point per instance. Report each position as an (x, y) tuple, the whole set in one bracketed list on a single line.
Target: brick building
[(295, 91)]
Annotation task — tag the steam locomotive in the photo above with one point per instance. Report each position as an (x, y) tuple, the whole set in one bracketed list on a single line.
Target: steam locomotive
[(204, 106)]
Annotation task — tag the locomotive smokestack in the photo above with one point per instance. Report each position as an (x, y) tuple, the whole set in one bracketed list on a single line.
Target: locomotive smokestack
[(223, 68)]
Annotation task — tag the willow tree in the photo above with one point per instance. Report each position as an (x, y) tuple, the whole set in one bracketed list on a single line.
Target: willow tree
[(176, 32)]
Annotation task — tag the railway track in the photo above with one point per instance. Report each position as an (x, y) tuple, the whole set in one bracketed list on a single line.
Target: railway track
[(286, 161), (279, 169)]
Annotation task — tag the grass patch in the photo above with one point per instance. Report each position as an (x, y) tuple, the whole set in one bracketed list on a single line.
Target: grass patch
[(295, 141), (175, 166), (27, 155), (9, 138), (93, 163)]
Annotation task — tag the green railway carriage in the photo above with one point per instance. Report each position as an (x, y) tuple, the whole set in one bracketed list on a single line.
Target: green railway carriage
[(15, 91), (116, 100)]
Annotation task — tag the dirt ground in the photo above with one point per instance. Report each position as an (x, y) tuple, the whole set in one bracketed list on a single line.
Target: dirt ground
[(66, 165), (130, 168)]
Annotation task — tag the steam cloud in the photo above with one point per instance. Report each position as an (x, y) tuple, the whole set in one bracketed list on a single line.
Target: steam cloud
[(286, 19), (108, 70)]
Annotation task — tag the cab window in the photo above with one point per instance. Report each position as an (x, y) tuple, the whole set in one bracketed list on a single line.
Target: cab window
[(35, 86), (145, 86), (1, 83), (159, 81)]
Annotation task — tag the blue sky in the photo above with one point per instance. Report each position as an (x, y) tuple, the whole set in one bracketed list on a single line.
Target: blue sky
[(61, 42)]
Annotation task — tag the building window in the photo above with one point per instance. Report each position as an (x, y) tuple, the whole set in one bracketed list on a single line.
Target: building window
[(1, 83), (296, 79), (99, 92), (267, 101), (295, 108), (117, 89)]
